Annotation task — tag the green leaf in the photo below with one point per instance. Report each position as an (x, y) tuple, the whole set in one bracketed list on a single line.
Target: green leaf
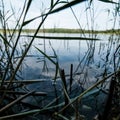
[(28, 21), (62, 117), (57, 65), (91, 1), (108, 1), (70, 4), (52, 2), (48, 57), (63, 38), (56, 71), (92, 92), (67, 5), (28, 6)]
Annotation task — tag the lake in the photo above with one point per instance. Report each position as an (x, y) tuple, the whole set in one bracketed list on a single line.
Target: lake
[(92, 60), (91, 56)]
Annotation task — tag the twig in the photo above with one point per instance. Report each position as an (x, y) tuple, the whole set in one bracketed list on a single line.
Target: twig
[(23, 93), (15, 101)]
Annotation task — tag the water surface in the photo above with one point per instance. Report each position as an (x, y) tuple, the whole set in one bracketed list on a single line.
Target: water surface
[(91, 56)]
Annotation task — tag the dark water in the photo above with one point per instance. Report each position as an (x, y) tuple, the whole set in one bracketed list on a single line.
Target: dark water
[(93, 57), (92, 60)]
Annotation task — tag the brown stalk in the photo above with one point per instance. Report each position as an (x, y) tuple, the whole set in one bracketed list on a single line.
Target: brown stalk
[(15, 101), (23, 93)]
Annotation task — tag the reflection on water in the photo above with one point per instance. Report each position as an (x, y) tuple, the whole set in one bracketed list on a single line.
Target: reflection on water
[(91, 58)]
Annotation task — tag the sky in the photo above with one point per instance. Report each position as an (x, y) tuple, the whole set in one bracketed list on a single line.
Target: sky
[(99, 15)]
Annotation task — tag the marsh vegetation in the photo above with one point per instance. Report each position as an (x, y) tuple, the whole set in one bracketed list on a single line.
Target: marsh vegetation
[(49, 74)]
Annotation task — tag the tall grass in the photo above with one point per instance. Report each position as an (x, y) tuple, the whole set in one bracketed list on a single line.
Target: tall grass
[(9, 67)]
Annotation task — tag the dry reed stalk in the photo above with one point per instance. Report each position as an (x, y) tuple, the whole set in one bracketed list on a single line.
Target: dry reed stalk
[(23, 93), (15, 101), (89, 89)]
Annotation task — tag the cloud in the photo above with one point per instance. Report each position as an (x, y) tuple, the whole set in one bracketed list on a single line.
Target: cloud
[(88, 18)]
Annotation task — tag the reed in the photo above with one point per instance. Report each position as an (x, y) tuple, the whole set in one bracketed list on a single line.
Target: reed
[(14, 91)]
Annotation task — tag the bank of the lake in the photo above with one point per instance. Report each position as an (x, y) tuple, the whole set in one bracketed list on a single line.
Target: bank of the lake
[(65, 30)]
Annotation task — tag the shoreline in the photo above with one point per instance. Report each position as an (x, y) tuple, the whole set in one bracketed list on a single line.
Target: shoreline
[(63, 30)]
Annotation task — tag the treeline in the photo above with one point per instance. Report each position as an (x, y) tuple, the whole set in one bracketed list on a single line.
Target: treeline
[(64, 30)]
